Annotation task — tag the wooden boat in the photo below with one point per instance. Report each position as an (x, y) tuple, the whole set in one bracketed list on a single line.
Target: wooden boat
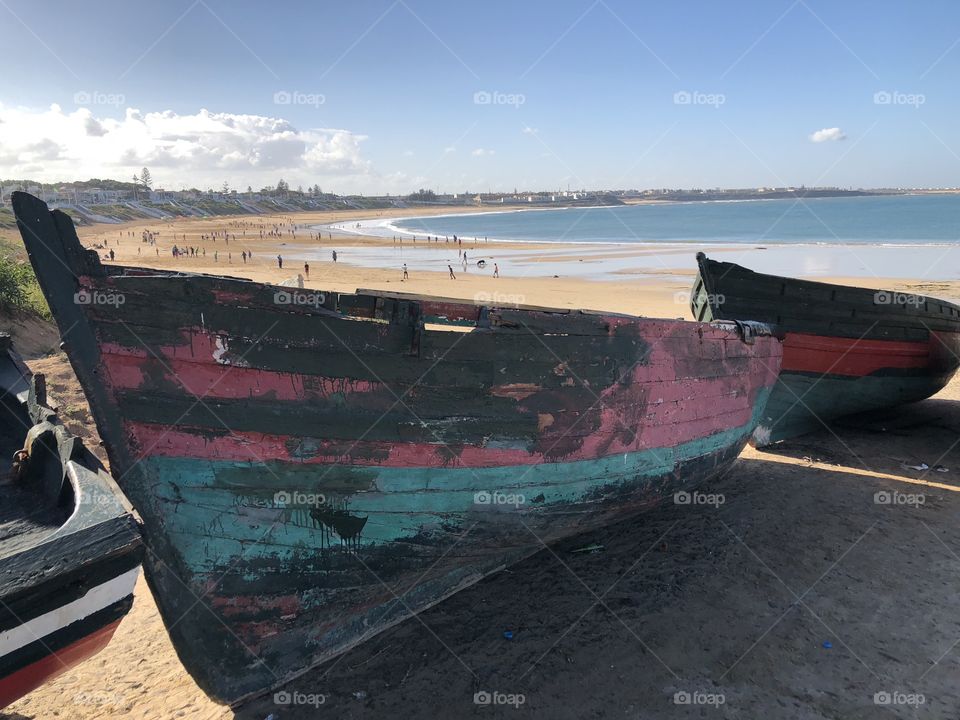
[(312, 468), (846, 349), (70, 551)]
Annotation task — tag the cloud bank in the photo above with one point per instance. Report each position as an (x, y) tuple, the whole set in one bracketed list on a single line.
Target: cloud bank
[(203, 149)]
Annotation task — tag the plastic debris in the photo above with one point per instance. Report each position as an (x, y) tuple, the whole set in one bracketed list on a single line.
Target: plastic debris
[(508, 634), (941, 468), (827, 644), (922, 466)]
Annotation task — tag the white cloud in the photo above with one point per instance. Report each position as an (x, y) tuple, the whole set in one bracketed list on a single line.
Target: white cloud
[(527, 130), (448, 150), (828, 134), (407, 153), (201, 149), (481, 152)]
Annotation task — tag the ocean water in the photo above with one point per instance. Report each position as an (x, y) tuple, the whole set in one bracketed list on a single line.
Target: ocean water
[(885, 220), (914, 237)]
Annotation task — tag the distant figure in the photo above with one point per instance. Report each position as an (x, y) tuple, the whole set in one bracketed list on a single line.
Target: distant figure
[(111, 254), (452, 276), (406, 275), (299, 280), (244, 255), (306, 270), (279, 262), (496, 270), (334, 255)]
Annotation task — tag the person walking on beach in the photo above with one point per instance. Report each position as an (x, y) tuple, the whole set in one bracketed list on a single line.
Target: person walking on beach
[(334, 255), (306, 270), (452, 276), (496, 270), (406, 276), (111, 254), (279, 262), (244, 255)]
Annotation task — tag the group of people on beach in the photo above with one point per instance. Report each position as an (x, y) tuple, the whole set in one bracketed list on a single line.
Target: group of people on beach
[(279, 228)]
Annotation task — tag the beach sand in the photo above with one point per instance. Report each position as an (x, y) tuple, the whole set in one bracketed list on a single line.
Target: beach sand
[(740, 600)]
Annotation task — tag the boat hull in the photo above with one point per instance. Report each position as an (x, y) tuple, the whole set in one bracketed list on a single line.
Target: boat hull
[(846, 350), (311, 473), (70, 549)]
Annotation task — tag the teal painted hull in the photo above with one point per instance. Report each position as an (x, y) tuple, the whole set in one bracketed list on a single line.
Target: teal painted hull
[(425, 537), (804, 402)]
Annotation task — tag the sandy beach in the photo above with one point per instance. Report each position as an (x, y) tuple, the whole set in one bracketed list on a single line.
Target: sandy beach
[(800, 596)]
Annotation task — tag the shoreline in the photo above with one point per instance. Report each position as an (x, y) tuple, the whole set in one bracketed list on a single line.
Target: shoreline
[(610, 275)]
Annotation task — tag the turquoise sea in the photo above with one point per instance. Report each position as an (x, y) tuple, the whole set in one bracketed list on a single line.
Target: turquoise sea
[(886, 219)]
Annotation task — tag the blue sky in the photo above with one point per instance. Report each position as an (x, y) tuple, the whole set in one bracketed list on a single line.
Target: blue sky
[(385, 96)]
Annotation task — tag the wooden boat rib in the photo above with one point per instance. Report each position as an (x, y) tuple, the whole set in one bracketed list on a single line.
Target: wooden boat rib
[(302, 461), (846, 349), (70, 550)]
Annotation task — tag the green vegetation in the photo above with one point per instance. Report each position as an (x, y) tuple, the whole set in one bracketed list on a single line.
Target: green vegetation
[(19, 291)]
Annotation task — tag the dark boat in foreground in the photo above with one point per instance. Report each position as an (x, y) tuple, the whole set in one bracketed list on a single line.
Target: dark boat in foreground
[(312, 468), (70, 551), (846, 349)]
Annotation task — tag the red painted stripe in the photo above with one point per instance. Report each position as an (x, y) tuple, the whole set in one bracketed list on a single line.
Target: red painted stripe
[(696, 381), (27, 679), (858, 358), (208, 380)]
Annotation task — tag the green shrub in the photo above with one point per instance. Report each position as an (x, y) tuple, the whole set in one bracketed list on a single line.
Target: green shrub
[(19, 290)]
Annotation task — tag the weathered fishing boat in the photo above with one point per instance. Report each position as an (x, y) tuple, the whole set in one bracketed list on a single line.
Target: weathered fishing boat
[(70, 550), (312, 468), (846, 349)]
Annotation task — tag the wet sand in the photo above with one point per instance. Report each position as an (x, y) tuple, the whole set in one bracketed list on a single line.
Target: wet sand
[(803, 595)]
